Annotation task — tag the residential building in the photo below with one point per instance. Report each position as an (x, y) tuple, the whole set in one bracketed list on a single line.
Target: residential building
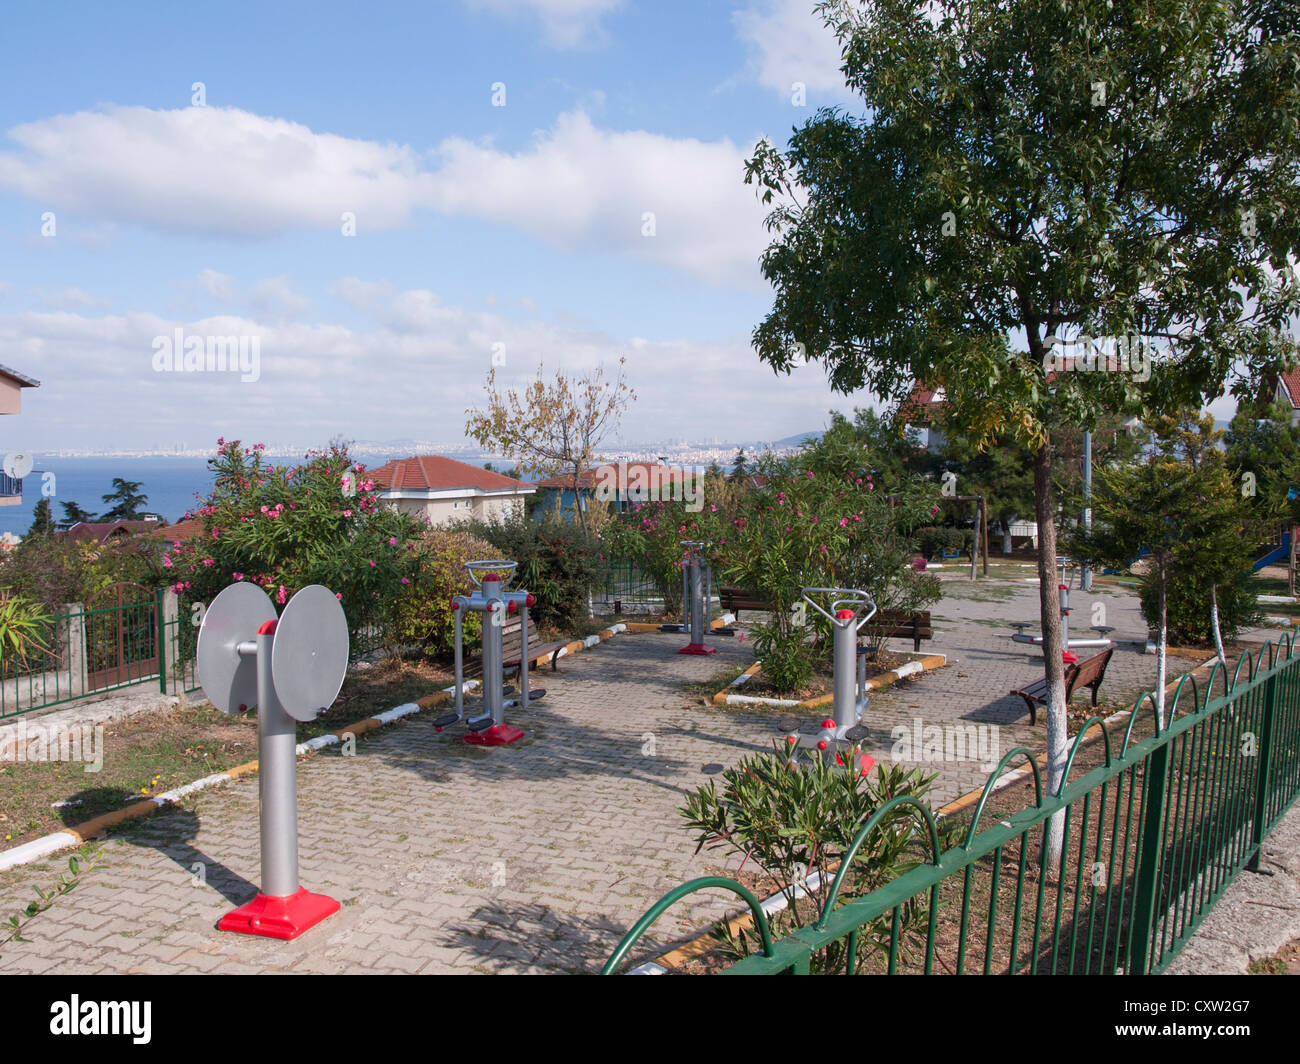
[(12, 384), (446, 491)]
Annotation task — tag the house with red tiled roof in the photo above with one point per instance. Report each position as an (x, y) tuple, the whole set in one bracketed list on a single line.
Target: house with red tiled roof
[(103, 531), (921, 409), (446, 491), (1286, 389), (621, 485)]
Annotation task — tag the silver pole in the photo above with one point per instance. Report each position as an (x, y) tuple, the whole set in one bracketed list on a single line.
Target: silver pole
[(277, 782), (697, 626), (460, 672), (1085, 571), (523, 653), (493, 700), (846, 704)]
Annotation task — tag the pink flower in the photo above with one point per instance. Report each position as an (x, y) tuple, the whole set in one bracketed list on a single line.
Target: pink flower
[(338, 595), (844, 522), (405, 580), (167, 561), (372, 565), (810, 474), (266, 509), (934, 509), (347, 513), (208, 561), (282, 596), (392, 541), (238, 576)]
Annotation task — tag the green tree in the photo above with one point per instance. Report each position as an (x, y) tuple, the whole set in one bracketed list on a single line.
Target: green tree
[(74, 515), (1044, 169), (127, 499), (1263, 449), (739, 468), (42, 520)]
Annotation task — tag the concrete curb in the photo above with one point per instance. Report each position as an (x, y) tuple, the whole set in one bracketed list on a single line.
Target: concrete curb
[(703, 942), (925, 663), (37, 849)]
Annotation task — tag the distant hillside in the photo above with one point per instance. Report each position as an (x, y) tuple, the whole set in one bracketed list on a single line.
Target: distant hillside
[(795, 441)]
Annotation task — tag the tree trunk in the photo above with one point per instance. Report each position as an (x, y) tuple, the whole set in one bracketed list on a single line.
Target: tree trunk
[(1214, 625), (577, 499), (1161, 653), (1049, 604)]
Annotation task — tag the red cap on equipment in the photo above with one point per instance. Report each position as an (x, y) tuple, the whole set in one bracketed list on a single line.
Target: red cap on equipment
[(843, 615)]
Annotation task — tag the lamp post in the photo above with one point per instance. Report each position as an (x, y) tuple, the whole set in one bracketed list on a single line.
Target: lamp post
[(1085, 571)]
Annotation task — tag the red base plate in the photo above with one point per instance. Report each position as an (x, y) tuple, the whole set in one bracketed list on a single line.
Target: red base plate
[(698, 648), (284, 918), (497, 735), (1069, 657)]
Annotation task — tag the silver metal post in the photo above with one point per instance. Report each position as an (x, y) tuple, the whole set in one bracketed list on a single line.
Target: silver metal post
[(1085, 572), (460, 670), (277, 782), (523, 654), (697, 625), (846, 703), (493, 700)]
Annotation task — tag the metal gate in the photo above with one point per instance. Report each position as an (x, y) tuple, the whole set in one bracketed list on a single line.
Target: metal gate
[(122, 626)]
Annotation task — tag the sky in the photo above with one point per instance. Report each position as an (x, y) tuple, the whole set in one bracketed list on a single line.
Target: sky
[(388, 200)]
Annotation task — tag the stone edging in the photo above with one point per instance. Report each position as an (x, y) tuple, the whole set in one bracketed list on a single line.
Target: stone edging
[(925, 663)]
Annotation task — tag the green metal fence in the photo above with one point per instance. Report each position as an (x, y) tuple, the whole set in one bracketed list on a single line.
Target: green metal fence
[(1150, 839), (96, 650), (625, 584)]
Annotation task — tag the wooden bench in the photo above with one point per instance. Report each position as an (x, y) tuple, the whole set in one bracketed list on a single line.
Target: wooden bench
[(512, 648), (735, 599), (902, 624), (1087, 673)]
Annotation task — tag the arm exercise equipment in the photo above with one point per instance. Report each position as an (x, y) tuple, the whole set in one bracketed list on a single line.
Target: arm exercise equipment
[(291, 669), (491, 600), (849, 610), (1067, 654)]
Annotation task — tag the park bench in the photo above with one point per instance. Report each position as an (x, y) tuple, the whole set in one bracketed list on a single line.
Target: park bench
[(902, 624), (735, 599), (1087, 673), (512, 646)]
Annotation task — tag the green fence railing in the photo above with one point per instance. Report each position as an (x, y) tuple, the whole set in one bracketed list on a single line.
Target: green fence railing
[(1150, 840), (623, 583)]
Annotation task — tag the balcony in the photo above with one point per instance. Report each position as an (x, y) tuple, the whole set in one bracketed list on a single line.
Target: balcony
[(11, 490)]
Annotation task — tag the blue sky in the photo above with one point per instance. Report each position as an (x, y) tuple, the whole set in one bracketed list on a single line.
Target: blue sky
[(518, 229)]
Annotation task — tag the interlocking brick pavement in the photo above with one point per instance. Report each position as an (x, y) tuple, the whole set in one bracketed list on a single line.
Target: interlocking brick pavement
[(531, 858)]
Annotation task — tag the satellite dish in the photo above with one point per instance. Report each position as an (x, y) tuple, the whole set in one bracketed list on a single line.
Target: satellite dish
[(309, 658), (229, 679), (18, 465)]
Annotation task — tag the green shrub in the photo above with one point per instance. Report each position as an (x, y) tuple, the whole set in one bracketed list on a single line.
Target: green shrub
[(1187, 607), (933, 540), (793, 818), (422, 612), (787, 659), (557, 560)]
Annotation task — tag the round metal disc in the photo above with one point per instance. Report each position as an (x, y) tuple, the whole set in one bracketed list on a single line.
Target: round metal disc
[(229, 680), (18, 465), (309, 657)]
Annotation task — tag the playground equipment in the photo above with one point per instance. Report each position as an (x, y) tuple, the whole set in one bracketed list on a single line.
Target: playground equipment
[(495, 603), (291, 669), (697, 589), (849, 610), (1067, 654)]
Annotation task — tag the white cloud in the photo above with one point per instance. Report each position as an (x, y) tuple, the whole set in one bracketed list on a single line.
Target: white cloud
[(217, 285), (274, 294), (210, 170), (67, 298), (590, 189), (240, 174), (409, 370), (789, 42), (565, 23)]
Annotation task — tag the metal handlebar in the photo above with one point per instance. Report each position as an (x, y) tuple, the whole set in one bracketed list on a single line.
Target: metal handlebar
[(505, 568), (850, 597)]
